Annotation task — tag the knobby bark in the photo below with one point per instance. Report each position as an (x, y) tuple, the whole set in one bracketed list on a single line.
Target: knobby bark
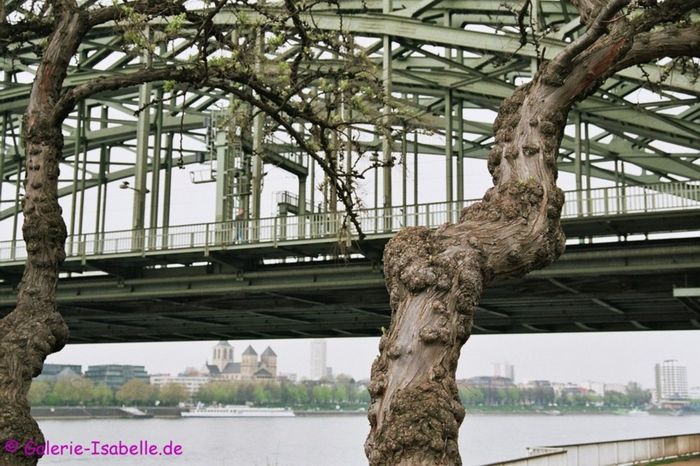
[(435, 278), (35, 328)]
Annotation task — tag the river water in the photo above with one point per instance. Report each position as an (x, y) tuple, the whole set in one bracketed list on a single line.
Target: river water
[(326, 441)]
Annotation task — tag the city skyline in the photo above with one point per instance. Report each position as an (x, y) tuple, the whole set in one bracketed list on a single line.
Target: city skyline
[(577, 358)]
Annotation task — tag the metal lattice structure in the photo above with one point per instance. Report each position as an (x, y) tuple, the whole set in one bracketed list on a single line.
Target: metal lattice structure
[(449, 62)]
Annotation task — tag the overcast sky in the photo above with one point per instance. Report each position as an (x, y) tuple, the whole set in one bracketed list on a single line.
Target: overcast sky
[(565, 357)]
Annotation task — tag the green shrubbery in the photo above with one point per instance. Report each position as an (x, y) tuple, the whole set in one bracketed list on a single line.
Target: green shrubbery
[(344, 393)]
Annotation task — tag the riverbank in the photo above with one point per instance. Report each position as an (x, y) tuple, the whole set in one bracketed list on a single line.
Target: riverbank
[(168, 412), (104, 412), (161, 412), (568, 410)]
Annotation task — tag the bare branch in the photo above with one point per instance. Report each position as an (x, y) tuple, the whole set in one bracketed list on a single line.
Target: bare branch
[(587, 9), (670, 11), (668, 42), (23, 31), (147, 7), (521, 21)]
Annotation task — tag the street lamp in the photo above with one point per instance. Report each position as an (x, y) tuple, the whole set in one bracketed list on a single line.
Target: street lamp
[(125, 185)]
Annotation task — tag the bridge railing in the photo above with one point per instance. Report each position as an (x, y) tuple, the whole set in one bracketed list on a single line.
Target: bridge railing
[(375, 221), (619, 200)]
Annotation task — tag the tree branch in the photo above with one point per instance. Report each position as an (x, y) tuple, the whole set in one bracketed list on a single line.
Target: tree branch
[(599, 27), (271, 103), (23, 31), (147, 7), (669, 11), (668, 42), (587, 9)]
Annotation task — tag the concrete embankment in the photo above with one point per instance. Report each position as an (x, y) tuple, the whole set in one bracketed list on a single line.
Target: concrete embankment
[(105, 412), (672, 448), (330, 413)]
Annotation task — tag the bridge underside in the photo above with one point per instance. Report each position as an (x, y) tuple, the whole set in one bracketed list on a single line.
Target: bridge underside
[(592, 288)]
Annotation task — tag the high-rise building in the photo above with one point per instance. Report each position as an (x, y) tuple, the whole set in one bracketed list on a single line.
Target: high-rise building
[(318, 359), (53, 372), (504, 369), (116, 375), (671, 380)]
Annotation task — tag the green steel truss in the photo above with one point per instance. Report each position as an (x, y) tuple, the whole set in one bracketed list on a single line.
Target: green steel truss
[(451, 62), (454, 55)]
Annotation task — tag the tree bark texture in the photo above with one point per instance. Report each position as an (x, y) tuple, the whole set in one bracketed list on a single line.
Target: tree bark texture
[(435, 278), (35, 329)]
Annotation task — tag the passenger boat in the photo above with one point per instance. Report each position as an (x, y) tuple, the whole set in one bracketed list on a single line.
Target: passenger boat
[(237, 411)]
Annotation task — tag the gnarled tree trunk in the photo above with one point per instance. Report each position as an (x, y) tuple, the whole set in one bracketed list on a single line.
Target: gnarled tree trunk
[(435, 278), (35, 329)]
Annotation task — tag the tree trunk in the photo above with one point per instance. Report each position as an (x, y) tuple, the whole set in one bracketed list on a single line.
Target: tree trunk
[(35, 329), (435, 278)]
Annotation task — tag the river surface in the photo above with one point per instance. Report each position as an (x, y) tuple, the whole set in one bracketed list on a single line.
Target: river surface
[(327, 441)]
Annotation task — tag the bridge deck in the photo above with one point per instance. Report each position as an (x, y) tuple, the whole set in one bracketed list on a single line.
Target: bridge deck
[(291, 282)]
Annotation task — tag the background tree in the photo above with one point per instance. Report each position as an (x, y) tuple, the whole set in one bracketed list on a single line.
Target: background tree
[(38, 392), (172, 393), (102, 395), (135, 392), (435, 278), (73, 390)]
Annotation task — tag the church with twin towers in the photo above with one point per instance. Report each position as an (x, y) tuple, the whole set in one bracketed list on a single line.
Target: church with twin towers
[(251, 367)]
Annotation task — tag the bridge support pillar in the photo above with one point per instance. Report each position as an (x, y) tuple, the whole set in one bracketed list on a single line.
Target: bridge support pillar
[(139, 202), (449, 197), (387, 7), (224, 186), (142, 128), (301, 208), (155, 171), (577, 163)]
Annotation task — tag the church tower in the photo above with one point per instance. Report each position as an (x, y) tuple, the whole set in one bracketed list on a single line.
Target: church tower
[(269, 361), (249, 363), (222, 354)]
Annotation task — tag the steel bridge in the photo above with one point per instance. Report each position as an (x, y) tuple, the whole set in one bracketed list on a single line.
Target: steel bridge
[(300, 276), (631, 151)]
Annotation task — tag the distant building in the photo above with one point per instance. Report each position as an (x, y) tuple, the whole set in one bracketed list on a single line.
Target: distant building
[(615, 387), (485, 381), (538, 392), (318, 360), (671, 380), (596, 387), (694, 393), (600, 388), (504, 369), (250, 367), (116, 375), (191, 383), (290, 376), (53, 372)]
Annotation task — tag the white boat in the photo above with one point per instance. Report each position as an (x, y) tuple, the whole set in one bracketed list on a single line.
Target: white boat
[(237, 411)]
